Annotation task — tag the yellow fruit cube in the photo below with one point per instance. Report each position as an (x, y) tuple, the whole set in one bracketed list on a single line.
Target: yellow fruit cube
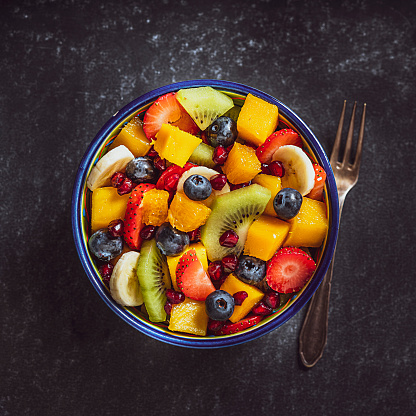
[(187, 215), (233, 285), (175, 145), (155, 207), (257, 120), (274, 184), (133, 137), (173, 261), (107, 205), (310, 226), (265, 236), (242, 164), (190, 317)]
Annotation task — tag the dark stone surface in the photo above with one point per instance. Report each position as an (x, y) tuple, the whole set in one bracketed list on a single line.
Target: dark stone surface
[(66, 67)]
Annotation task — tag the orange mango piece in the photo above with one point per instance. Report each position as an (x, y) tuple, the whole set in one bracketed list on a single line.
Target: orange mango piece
[(265, 236), (233, 285), (274, 184), (310, 226), (155, 207), (133, 137), (257, 120)]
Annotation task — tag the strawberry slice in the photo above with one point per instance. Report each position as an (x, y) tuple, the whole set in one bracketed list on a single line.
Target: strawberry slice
[(191, 277), (171, 170), (289, 270), (166, 109), (320, 177), (245, 323), (133, 216), (274, 141)]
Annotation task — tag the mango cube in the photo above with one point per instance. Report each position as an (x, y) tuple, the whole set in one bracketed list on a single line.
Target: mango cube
[(274, 184), (133, 137), (310, 226), (257, 120), (175, 145), (265, 236), (173, 261), (233, 285), (242, 164), (190, 317), (107, 205)]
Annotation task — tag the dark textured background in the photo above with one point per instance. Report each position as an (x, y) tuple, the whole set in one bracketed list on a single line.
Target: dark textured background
[(66, 67)]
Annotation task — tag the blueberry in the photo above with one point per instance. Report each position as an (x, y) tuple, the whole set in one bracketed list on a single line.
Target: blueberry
[(222, 132), (219, 305), (171, 241), (197, 187), (141, 169), (250, 270), (287, 203), (105, 247)]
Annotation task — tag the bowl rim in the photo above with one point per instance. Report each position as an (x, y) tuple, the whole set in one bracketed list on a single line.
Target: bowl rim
[(211, 342)]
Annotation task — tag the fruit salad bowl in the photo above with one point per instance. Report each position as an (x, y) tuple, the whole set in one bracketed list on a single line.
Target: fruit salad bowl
[(136, 316)]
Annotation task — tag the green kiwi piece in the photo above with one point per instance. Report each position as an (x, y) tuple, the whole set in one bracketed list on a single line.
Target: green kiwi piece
[(154, 278), (204, 104), (233, 113), (235, 210), (202, 155)]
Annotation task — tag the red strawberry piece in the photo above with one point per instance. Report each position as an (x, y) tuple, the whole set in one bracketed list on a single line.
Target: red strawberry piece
[(191, 277), (172, 170), (289, 270), (320, 177), (274, 141), (133, 216), (245, 323), (166, 109)]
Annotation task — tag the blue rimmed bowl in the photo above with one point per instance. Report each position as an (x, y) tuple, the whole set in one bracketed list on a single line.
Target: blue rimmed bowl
[(81, 217)]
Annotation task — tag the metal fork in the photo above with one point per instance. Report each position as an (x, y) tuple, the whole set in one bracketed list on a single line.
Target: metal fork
[(313, 335)]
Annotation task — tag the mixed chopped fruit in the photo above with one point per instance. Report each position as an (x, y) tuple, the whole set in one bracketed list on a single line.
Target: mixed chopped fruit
[(205, 215)]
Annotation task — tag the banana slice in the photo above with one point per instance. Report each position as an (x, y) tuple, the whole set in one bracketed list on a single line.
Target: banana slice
[(113, 161), (124, 283), (207, 173), (299, 171)]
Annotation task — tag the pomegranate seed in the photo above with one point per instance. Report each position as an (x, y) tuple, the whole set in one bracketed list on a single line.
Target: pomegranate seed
[(168, 307), (174, 297), (159, 163), (152, 153), (215, 326), (126, 186), (218, 182), (147, 232), (171, 182), (276, 168), (105, 271), (117, 179), (116, 228), (229, 239), (215, 270), (220, 155), (230, 262), (262, 309), (240, 297), (195, 235), (218, 283), (272, 299), (265, 169)]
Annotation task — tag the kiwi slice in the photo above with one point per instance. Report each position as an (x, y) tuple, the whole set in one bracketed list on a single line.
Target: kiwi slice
[(235, 210), (202, 155), (154, 278), (204, 104), (233, 113)]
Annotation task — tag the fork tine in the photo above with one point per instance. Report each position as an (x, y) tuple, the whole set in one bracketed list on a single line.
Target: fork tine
[(356, 165), (348, 143), (337, 143)]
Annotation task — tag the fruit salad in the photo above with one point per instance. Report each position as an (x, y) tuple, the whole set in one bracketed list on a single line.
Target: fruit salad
[(207, 213)]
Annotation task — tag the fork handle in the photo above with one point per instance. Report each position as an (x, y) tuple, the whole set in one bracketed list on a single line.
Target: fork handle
[(313, 336)]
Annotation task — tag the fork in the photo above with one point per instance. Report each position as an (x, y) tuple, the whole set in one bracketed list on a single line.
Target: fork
[(313, 335)]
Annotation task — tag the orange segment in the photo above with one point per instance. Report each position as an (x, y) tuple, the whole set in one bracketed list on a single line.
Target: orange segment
[(187, 215), (155, 207)]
